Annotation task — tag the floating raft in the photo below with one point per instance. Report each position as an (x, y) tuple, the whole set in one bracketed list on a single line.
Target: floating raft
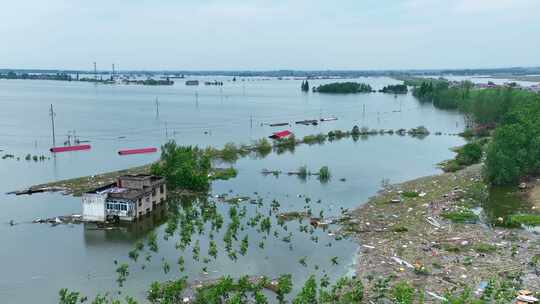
[(69, 148), (137, 151), (280, 124), (308, 122)]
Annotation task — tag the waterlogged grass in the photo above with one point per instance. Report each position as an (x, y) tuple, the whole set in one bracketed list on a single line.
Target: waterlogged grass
[(314, 139), (467, 155), (410, 194), (524, 219), (224, 174), (484, 248), (461, 216)]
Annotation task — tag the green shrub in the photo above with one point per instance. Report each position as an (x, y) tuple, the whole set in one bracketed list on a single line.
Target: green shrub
[(263, 147), (403, 293), (183, 167), (230, 152), (469, 154), (324, 174), (314, 139)]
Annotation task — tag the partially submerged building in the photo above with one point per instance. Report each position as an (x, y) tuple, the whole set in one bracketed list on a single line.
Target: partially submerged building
[(131, 197)]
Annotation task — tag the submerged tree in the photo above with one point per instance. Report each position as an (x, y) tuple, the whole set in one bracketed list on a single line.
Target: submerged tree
[(184, 167), (305, 86)]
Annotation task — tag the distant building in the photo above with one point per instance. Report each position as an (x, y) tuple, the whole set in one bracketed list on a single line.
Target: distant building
[(131, 197)]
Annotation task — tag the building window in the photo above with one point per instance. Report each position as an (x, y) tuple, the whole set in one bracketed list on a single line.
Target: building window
[(153, 192), (161, 189)]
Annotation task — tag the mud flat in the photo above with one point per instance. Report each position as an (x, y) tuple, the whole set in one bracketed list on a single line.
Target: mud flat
[(428, 232)]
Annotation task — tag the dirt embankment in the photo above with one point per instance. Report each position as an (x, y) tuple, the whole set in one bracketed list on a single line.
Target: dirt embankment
[(414, 240), (77, 186)]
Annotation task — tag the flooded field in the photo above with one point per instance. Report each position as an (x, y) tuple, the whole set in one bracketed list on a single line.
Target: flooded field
[(44, 258)]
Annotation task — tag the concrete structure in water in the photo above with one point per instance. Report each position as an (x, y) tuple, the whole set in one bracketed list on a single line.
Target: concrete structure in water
[(131, 197)]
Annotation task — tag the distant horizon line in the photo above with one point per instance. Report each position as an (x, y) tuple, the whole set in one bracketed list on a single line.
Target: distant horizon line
[(186, 71)]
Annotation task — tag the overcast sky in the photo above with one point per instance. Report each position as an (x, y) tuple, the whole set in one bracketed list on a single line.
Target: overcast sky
[(279, 34)]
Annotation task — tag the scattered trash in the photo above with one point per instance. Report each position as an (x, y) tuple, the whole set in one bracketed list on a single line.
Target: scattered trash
[(396, 200), (525, 296), (433, 222), (436, 296), (402, 262)]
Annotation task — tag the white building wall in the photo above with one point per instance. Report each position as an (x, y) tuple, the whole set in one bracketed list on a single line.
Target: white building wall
[(93, 206)]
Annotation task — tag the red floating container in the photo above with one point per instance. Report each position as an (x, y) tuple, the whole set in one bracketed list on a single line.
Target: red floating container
[(69, 148), (137, 151), (281, 134)]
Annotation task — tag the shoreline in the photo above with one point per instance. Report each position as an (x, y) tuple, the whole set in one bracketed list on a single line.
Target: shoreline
[(413, 241)]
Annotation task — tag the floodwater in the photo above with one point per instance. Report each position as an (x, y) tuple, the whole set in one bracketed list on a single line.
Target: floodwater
[(37, 259)]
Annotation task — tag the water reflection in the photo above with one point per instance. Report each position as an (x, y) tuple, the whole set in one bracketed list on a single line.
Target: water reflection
[(125, 232), (504, 201)]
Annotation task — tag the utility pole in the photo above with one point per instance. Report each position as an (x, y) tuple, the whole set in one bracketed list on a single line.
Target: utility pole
[(157, 108), (112, 76), (52, 114), (251, 121), (364, 110), (95, 71)]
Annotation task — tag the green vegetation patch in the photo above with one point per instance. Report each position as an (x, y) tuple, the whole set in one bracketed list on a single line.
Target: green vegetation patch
[(224, 174), (314, 139), (484, 248), (467, 155), (461, 216), (524, 219), (344, 88), (183, 167), (410, 194), (395, 89)]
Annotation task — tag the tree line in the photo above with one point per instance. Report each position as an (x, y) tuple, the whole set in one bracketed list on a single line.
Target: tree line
[(514, 151), (344, 88), (395, 89)]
